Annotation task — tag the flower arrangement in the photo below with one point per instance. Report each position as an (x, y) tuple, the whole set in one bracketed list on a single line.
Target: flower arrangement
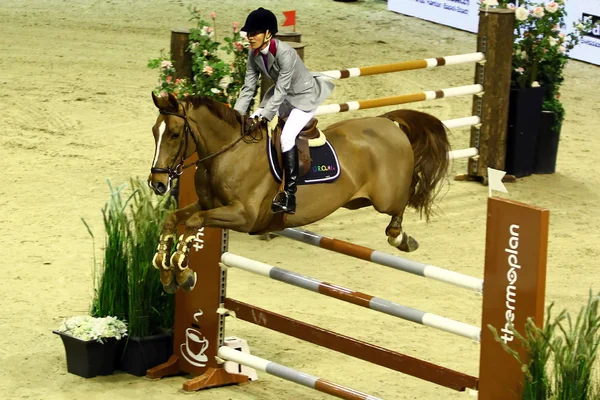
[(213, 76), (541, 48), (86, 328)]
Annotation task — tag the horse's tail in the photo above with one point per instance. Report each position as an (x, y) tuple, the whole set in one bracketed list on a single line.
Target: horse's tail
[(430, 145)]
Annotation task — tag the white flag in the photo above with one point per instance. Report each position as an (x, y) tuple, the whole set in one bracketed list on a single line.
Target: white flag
[(495, 180)]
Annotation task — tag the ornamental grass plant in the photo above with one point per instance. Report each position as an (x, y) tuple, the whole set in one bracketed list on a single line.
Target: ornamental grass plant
[(126, 284), (563, 355)]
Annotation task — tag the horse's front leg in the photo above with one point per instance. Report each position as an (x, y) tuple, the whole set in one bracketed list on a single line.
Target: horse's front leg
[(228, 217), (161, 260)]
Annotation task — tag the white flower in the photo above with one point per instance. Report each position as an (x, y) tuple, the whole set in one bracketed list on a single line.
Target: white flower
[(166, 64), (552, 7), (225, 82), (521, 14), (490, 3), (552, 41), (215, 90), (538, 12), (85, 327), (535, 84), (580, 27), (521, 53), (562, 49)]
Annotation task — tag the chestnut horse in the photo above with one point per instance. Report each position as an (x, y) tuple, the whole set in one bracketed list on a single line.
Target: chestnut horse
[(389, 162)]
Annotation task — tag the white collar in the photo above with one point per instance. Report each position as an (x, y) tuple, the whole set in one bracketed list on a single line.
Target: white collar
[(265, 51)]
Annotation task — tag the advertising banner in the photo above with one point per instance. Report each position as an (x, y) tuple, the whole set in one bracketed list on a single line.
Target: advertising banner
[(589, 48), (464, 15), (460, 14)]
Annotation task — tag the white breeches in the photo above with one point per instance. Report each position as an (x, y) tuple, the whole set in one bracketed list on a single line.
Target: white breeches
[(294, 124)]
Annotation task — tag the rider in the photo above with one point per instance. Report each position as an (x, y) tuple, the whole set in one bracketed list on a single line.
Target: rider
[(296, 93)]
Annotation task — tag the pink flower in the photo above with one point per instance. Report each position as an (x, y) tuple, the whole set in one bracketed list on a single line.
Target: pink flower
[(538, 12), (209, 29), (178, 81), (169, 79), (163, 94), (205, 53), (520, 70), (238, 46), (552, 7), (235, 24), (166, 64), (213, 15), (208, 70), (562, 49), (231, 68), (556, 27)]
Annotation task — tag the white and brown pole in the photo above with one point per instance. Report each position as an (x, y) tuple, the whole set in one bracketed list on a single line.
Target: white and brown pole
[(405, 66), (292, 375), (402, 99)]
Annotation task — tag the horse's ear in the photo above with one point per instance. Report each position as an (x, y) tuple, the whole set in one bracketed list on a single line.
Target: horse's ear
[(159, 102), (169, 102), (173, 102)]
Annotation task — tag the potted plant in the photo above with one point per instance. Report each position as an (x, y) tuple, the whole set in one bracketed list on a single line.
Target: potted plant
[(127, 284), (91, 344), (150, 311), (540, 52)]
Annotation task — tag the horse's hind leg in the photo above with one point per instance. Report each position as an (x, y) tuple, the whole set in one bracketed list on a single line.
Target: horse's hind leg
[(397, 237)]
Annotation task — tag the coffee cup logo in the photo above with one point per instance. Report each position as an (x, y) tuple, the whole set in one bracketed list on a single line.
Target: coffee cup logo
[(195, 345)]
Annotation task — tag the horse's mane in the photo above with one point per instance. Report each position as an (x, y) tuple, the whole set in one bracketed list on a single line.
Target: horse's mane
[(222, 111)]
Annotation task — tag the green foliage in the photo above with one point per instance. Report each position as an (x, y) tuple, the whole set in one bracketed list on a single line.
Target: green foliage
[(554, 105), (213, 75), (127, 285), (541, 49), (568, 351)]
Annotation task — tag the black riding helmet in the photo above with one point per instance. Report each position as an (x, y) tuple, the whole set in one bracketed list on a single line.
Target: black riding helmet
[(260, 20)]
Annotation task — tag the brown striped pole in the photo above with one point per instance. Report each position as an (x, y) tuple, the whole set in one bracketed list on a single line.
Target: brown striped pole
[(352, 296), (405, 66), (292, 375), (402, 99)]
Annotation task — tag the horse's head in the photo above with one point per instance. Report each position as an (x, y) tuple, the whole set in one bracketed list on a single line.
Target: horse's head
[(171, 135)]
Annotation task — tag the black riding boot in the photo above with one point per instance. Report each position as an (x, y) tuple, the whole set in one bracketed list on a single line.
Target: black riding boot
[(286, 201)]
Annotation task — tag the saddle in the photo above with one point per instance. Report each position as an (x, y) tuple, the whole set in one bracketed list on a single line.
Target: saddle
[(310, 136)]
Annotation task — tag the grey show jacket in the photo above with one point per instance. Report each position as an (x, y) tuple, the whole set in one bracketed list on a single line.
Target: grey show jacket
[(294, 83)]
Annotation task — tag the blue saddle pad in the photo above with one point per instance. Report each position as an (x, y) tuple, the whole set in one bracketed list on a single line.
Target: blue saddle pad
[(324, 167)]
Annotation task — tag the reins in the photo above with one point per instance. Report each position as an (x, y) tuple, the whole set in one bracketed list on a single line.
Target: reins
[(180, 167)]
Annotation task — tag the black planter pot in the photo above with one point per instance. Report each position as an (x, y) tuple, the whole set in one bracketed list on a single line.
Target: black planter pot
[(89, 358), (547, 147), (525, 109), (139, 354)]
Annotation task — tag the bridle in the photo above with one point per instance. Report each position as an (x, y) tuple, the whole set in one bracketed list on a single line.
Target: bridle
[(187, 131)]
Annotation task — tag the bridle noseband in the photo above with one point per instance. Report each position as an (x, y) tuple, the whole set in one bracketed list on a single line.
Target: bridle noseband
[(179, 168), (187, 130)]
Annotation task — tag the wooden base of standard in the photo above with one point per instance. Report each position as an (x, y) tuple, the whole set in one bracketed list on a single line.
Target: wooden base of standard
[(214, 377), (169, 367)]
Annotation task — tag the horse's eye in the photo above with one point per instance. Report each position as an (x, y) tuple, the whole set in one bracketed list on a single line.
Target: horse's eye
[(174, 135)]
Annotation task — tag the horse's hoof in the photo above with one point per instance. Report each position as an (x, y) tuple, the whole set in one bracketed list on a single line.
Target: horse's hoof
[(167, 278), (187, 280), (171, 288), (267, 236), (408, 243)]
